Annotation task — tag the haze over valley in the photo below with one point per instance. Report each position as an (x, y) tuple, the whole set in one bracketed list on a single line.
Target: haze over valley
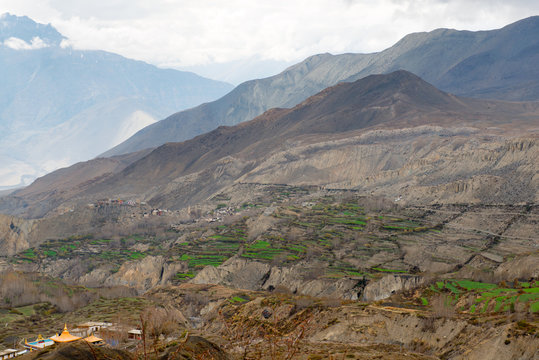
[(61, 105)]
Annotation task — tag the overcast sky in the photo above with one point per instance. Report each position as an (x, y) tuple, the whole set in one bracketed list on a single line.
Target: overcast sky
[(182, 33)]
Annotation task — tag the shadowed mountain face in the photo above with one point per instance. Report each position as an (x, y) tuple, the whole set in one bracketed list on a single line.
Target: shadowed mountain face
[(497, 64), (59, 105), (380, 133)]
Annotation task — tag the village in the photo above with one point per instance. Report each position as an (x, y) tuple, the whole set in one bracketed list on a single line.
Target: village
[(142, 209), (92, 332)]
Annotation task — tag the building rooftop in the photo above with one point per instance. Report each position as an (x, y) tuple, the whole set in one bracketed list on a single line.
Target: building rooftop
[(94, 323), (7, 352), (65, 336), (92, 339)]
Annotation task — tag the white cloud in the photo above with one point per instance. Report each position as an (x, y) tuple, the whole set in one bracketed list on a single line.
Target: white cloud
[(188, 33), (66, 43), (19, 44)]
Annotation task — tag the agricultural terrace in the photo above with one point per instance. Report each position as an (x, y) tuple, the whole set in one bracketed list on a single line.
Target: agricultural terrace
[(479, 298)]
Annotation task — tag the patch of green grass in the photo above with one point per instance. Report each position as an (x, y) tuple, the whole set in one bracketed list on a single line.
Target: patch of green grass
[(484, 309), (354, 273), (261, 244), (395, 227), (528, 297), (237, 299), (451, 287), (26, 310), (347, 221), (29, 254), (424, 301), (388, 270), (206, 260), (50, 253), (473, 285), (499, 303), (7, 318), (266, 254), (135, 255), (186, 257), (182, 276), (534, 307)]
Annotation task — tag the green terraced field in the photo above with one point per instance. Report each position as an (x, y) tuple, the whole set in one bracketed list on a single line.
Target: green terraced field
[(388, 270), (490, 297)]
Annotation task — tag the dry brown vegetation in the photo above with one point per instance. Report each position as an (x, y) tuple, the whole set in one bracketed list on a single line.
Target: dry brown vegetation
[(19, 289)]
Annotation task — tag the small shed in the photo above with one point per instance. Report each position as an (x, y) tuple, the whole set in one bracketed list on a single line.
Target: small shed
[(134, 334), (8, 354)]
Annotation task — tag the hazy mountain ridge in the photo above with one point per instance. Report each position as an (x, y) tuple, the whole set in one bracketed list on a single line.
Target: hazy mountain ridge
[(59, 105), (24, 28), (495, 64)]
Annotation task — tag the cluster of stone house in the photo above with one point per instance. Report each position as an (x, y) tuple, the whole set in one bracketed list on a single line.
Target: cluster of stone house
[(219, 214)]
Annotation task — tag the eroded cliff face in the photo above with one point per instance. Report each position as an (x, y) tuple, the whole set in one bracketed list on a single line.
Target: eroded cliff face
[(389, 285), (15, 234), (253, 275), (449, 338), (142, 274), (145, 273), (419, 166)]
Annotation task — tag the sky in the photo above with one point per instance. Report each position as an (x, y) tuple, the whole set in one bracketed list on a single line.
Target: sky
[(246, 36)]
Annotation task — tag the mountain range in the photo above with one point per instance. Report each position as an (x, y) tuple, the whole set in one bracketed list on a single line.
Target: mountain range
[(388, 134), (60, 105), (369, 208), (495, 64)]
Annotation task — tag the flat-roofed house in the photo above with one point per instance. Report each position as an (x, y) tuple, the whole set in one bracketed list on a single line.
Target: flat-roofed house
[(8, 354)]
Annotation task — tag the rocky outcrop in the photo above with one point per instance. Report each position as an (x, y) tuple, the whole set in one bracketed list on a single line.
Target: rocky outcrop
[(14, 234), (522, 267), (442, 337), (389, 285), (253, 275), (292, 278), (140, 274), (145, 273), (421, 165), (235, 272)]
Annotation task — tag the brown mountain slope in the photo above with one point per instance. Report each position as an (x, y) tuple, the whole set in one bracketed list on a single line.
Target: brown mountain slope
[(496, 64), (400, 106), (397, 100)]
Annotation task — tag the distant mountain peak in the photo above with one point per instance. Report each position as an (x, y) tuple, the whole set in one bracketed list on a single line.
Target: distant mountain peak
[(21, 32)]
